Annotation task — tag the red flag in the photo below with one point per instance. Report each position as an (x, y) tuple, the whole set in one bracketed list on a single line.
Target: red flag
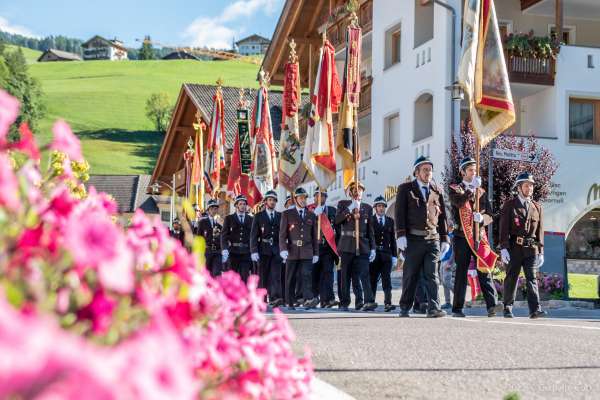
[(326, 229), (264, 165), (215, 152)]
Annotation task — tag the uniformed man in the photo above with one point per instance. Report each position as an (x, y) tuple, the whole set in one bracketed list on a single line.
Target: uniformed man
[(299, 248), (264, 245), (386, 255), (289, 203), (324, 268), (210, 230), (235, 238), (462, 199), (355, 264), (177, 232), (421, 227), (522, 244)]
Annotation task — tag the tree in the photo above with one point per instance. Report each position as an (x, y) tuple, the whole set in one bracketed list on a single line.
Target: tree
[(159, 110), (505, 172), (147, 51)]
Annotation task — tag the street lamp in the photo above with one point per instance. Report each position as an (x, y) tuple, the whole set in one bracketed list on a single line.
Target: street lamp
[(156, 190), (456, 90)]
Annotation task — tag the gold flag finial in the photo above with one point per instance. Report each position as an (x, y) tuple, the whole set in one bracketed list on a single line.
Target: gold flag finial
[(242, 98), (293, 55), (190, 143), (219, 82)]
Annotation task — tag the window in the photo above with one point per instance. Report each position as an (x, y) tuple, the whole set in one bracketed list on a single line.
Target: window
[(392, 46), (505, 27), (391, 132), (568, 33), (423, 22), (364, 137), (423, 117), (584, 121)]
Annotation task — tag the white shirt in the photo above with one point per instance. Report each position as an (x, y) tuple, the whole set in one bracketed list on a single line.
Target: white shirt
[(380, 219), (526, 201), (424, 188), (301, 211), (469, 185), (241, 217), (271, 214)]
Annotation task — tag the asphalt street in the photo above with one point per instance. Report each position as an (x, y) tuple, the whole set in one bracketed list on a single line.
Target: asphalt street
[(377, 355)]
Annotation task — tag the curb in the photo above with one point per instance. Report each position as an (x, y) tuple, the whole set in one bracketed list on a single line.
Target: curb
[(322, 390), (548, 304)]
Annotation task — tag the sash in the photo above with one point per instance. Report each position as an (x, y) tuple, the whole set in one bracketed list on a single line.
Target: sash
[(486, 258), (244, 142), (326, 229)]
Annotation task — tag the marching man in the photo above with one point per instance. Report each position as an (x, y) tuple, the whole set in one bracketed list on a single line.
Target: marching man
[(462, 198), (522, 243), (421, 227), (264, 245), (299, 249), (235, 238), (210, 230), (386, 256)]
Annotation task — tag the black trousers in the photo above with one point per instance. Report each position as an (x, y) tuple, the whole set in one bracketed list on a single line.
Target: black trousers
[(463, 256), (323, 277), (241, 263), (269, 274), (422, 256), (294, 269), (214, 263), (518, 260), (420, 293), (355, 268), (381, 267)]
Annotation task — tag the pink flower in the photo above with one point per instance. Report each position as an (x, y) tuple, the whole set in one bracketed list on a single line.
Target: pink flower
[(65, 141), (27, 143), (100, 312), (9, 110), (9, 186)]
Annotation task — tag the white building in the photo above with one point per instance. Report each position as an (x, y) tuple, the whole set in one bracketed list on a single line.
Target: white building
[(99, 48), (253, 45)]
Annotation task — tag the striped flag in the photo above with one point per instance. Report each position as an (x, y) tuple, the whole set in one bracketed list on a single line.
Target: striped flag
[(198, 167), (264, 162), (215, 153)]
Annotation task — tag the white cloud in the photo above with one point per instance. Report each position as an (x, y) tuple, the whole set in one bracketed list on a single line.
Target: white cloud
[(218, 32), (7, 27)]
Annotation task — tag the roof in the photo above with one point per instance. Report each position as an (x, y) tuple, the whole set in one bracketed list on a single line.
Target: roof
[(62, 54), (180, 55), (129, 191), (254, 38), (108, 42)]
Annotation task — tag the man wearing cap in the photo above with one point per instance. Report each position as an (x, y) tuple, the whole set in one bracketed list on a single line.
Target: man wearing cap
[(522, 244), (235, 238), (176, 231), (386, 255), (462, 199), (299, 248), (289, 203), (355, 262), (421, 227), (210, 230), (324, 268), (264, 247)]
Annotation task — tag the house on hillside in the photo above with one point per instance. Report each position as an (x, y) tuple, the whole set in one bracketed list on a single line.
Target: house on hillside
[(99, 48), (180, 55), (58, 55), (253, 45)]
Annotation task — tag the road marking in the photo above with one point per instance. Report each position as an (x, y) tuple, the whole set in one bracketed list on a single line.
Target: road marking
[(540, 323)]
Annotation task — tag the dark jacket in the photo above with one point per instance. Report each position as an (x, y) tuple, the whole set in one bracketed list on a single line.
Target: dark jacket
[(178, 235), (345, 220), (235, 236), (385, 236), (459, 195), (414, 215), (264, 237), (211, 234), (516, 222), (298, 236)]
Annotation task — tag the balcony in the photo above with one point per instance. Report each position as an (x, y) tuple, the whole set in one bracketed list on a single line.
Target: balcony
[(536, 71)]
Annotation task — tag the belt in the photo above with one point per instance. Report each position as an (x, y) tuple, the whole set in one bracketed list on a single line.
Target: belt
[(212, 248), (418, 232), (298, 243), (267, 241), (239, 245), (525, 241), (382, 248), (353, 234)]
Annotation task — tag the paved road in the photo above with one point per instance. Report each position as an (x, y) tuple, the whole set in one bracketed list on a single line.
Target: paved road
[(380, 356)]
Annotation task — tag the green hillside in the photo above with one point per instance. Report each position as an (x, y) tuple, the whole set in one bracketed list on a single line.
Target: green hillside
[(30, 55), (104, 103)]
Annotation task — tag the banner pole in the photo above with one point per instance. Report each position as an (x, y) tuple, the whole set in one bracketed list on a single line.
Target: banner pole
[(355, 156), (478, 190), (319, 217)]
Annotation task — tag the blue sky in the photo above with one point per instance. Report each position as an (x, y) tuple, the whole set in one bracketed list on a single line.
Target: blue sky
[(172, 22)]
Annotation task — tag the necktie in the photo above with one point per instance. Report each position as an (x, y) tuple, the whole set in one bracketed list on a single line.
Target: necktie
[(302, 214), (242, 219), (271, 217), (381, 221)]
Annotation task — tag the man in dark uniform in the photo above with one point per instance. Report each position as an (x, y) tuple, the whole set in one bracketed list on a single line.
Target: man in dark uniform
[(299, 248), (459, 195), (355, 264), (235, 238), (522, 244), (177, 232), (421, 227), (264, 245), (386, 255), (210, 230), (324, 268)]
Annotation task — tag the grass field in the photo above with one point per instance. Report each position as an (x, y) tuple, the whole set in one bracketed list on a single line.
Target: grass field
[(30, 55), (104, 103), (583, 286)]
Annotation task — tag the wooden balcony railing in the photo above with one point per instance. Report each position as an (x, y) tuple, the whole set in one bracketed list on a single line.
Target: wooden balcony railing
[(536, 71)]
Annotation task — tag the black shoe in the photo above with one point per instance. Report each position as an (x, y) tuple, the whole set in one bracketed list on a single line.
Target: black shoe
[(311, 303), (492, 311), (277, 303), (419, 310), (344, 308), (389, 307), (538, 314), (436, 314), (370, 307), (508, 313), (359, 306), (404, 314), (458, 314), (291, 308), (331, 304), (446, 306)]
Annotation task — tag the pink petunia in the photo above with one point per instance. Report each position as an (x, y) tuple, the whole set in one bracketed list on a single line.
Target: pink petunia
[(65, 141), (9, 185), (9, 110), (26, 143)]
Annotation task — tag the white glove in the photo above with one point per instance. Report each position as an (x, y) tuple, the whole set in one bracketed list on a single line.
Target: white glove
[(394, 261), (284, 255), (476, 183), (505, 256), (401, 256), (225, 255), (478, 217), (355, 205), (255, 257), (539, 260), (445, 246), (315, 259), (372, 256), (472, 273), (319, 210), (401, 242)]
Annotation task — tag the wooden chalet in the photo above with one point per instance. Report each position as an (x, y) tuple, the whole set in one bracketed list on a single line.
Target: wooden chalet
[(58, 55)]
